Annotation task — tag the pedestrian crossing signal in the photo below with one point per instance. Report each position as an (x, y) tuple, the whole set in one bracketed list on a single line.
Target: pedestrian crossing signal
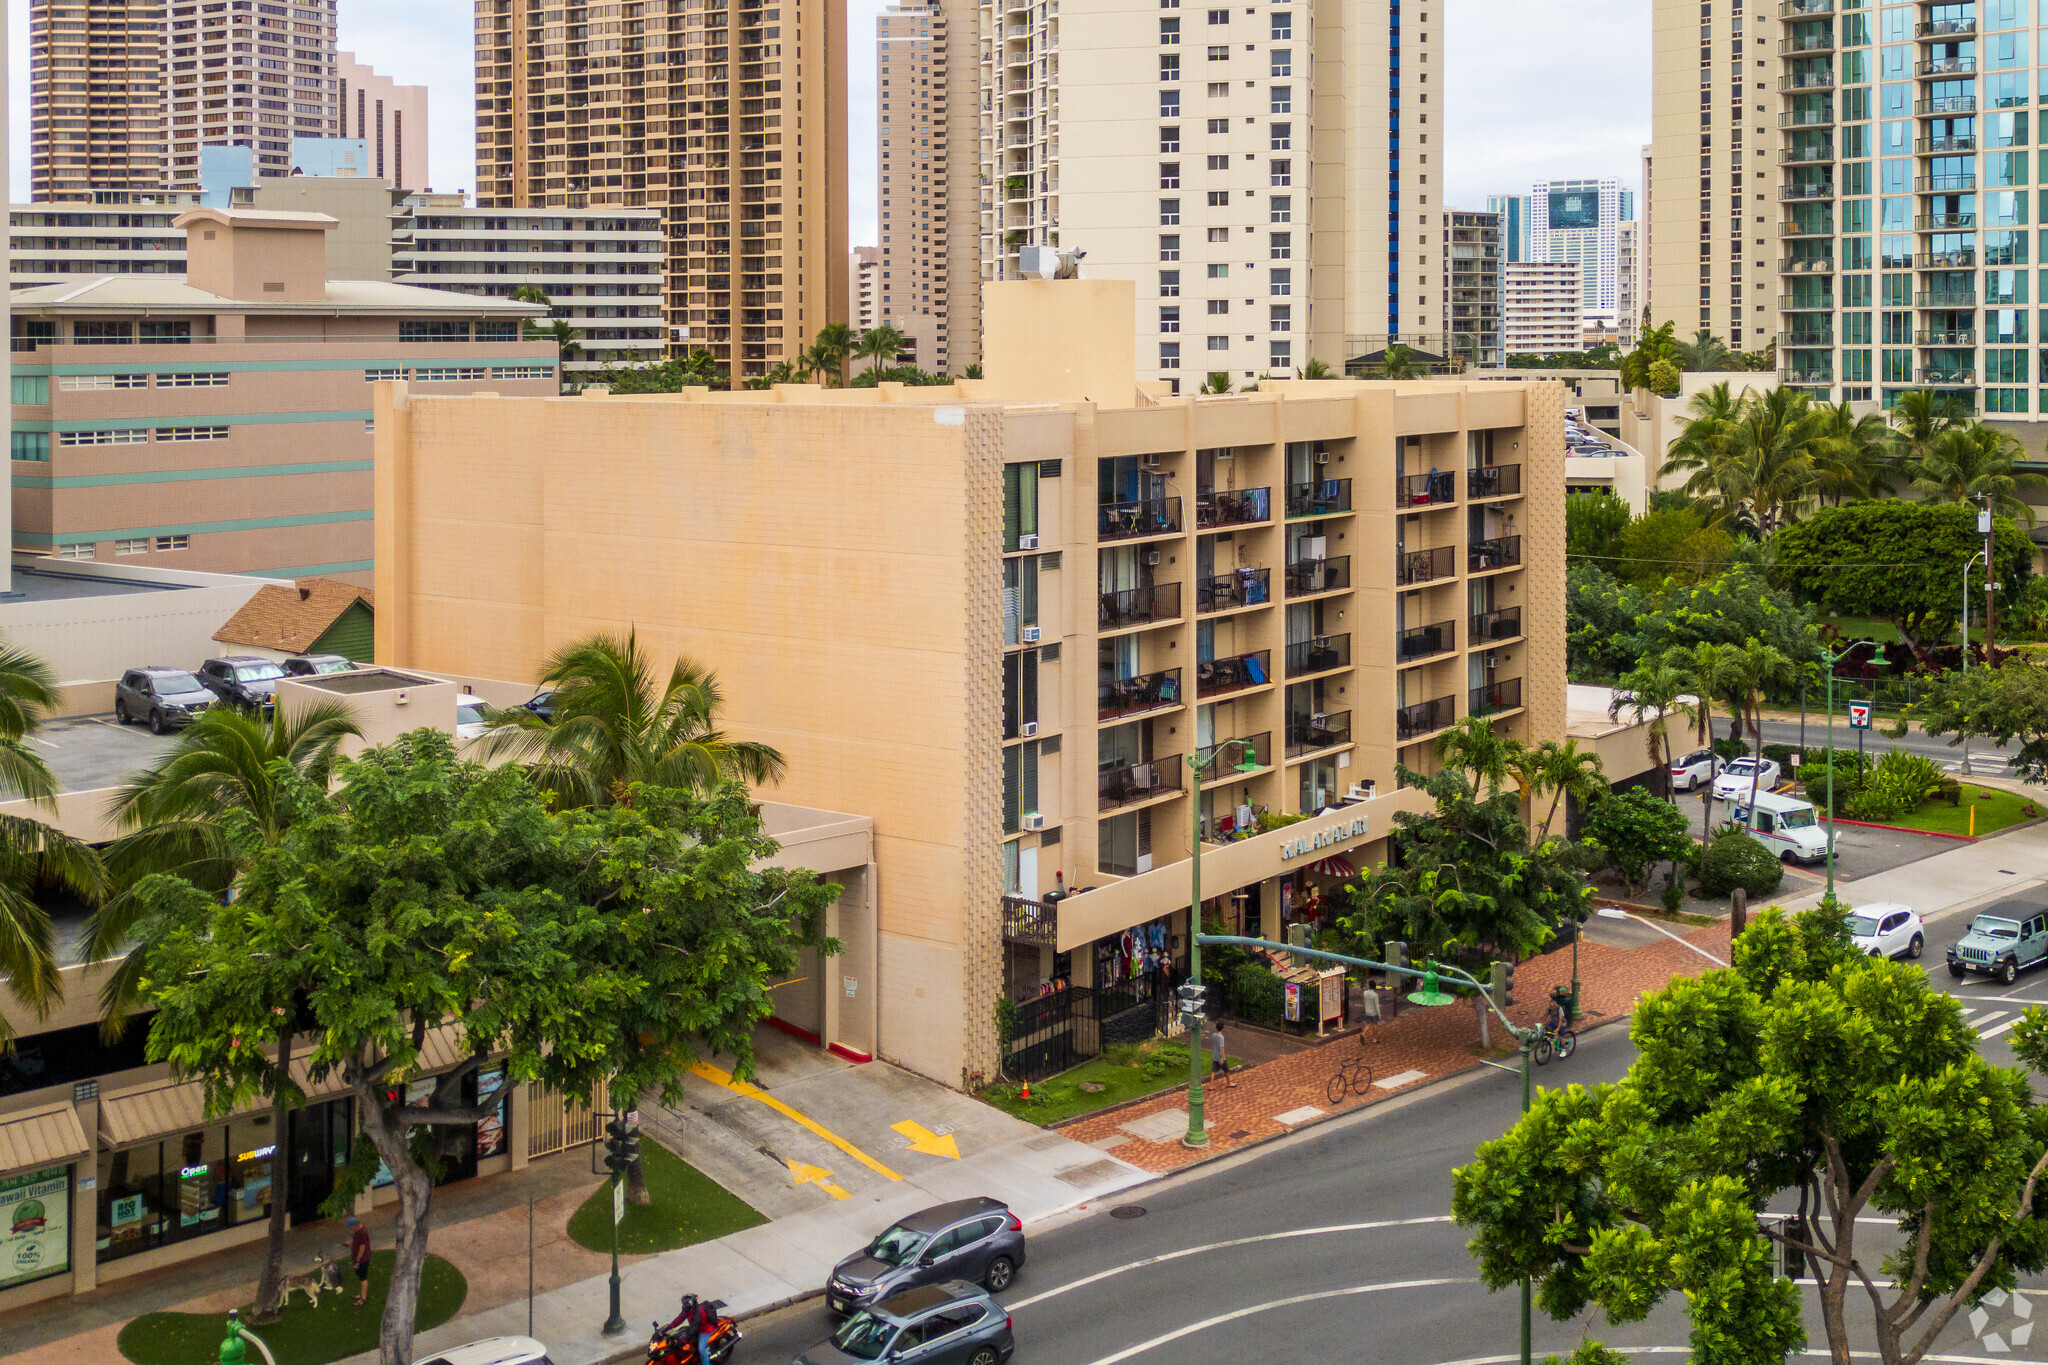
[(1859, 715)]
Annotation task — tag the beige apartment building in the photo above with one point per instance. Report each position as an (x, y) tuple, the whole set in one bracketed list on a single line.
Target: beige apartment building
[(998, 616), (390, 118), (95, 72), (1260, 173), (914, 282), (220, 419), (864, 274), (236, 75), (731, 119), (1474, 257), (1541, 309)]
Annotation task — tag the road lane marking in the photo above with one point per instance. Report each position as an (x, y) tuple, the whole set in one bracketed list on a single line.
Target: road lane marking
[(1989, 1034), (1994, 1015), (923, 1139), (802, 1174), (1613, 913), (1222, 1246), (725, 1081), (1290, 1302)]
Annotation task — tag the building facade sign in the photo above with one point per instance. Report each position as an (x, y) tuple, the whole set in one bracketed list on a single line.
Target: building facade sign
[(1324, 838), (35, 1225)]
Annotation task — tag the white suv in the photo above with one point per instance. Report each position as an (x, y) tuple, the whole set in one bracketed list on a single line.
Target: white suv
[(1887, 929)]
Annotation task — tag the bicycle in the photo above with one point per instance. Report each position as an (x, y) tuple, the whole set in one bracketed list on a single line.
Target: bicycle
[(1353, 1075), (1554, 1039)]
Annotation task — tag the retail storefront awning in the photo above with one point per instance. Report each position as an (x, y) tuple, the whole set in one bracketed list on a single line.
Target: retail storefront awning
[(41, 1137), (1335, 865)]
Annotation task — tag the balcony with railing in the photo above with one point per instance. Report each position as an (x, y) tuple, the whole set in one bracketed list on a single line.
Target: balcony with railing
[(1806, 303), (1807, 80), (1307, 734), (1795, 227), (1242, 507), (1132, 520), (1805, 375), (1029, 921), (1963, 259), (1945, 66), (1806, 43), (1822, 337), (1945, 298), (1501, 552), (1236, 757), (1318, 498), (1951, 182), (1947, 378), (1135, 696), (1492, 626), (1806, 9), (1945, 104), (1945, 146), (1806, 265), (1422, 642), (1493, 481), (1153, 603), (1944, 222), (1945, 28), (1504, 695), (1413, 722), (1238, 588), (1233, 673), (1306, 577), (1319, 655), (1807, 190), (1811, 152), (1953, 337), (1128, 784), (1434, 489), (1425, 566)]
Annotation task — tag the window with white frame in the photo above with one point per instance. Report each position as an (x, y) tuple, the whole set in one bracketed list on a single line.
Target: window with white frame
[(1283, 245), (1221, 234), (164, 543), (1280, 355), (1281, 173), (126, 436), (1169, 355), (374, 375), (191, 433), (137, 545), (1282, 315), (1169, 175), (1280, 279), (1218, 306), (1218, 89), (1219, 343), (1169, 284), (1283, 62), (78, 549), (1281, 136), (1169, 318), (1283, 100), (89, 383), (212, 379), (1282, 208), (1169, 212), (1219, 199), (1169, 246)]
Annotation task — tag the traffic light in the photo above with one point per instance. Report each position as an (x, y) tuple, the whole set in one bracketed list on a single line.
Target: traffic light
[(1501, 986), (621, 1145), (1191, 995)]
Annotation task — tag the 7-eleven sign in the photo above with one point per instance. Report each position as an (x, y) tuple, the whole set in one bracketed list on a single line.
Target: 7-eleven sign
[(1859, 715)]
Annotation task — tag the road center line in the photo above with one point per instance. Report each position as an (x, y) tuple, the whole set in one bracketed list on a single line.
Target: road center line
[(753, 1092), (1233, 1242), (1222, 1318)]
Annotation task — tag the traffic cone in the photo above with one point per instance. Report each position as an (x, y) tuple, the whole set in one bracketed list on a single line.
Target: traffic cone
[(1025, 1092)]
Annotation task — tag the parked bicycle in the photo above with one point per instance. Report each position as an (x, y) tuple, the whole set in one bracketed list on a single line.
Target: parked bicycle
[(1354, 1075)]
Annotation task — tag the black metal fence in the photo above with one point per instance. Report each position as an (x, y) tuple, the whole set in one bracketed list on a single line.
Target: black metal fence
[(1065, 1028)]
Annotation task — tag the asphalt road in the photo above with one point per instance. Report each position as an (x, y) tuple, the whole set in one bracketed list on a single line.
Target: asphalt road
[(1334, 1244), (1936, 748)]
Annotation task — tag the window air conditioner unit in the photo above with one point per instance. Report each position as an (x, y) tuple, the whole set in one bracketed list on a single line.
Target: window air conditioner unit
[(1030, 728), (1322, 457), (1493, 661), (1034, 821), (1027, 542), (1031, 635), (1152, 559), (1148, 461)]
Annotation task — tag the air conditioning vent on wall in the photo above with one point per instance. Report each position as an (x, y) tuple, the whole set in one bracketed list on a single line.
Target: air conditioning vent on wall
[(1027, 542), (1031, 635), (1030, 728)]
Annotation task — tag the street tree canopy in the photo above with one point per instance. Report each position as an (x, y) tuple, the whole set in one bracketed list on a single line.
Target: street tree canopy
[(2001, 704), (1897, 561), (425, 894), (1806, 1074)]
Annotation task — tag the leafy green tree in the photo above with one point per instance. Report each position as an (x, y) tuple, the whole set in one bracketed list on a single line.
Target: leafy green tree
[(1707, 672), (698, 369), (614, 727), (1474, 747), (1735, 608), (1679, 545), (1568, 772), (1804, 1072), (1636, 831), (1651, 693), (1854, 455), (1601, 614), (1663, 378), (1964, 464), (1734, 859), (1593, 523), (427, 893), (1920, 417), (1758, 669), (555, 327), (1652, 345), (1900, 562), (1704, 354), (2001, 704)]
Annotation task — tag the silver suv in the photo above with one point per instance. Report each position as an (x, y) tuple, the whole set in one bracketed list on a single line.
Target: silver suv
[(168, 698), (954, 1323), (969, 1239)]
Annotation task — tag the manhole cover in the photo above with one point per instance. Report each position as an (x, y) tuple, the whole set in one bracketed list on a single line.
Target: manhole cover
[(1128, 1211)]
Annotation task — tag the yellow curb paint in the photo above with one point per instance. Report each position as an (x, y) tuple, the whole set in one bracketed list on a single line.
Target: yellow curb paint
[(804, 1174), (923, 1139), (753, 1092)]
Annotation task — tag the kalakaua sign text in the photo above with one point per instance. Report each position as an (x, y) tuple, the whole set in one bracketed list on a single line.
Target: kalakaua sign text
[(1324, 838)]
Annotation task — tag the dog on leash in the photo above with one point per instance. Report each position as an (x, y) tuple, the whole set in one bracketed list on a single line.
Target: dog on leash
[(323, 1277)]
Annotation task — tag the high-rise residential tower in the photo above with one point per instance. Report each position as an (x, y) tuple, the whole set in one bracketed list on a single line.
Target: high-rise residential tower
[(1514, 223), (247, 76), (730, 118), (1265, 179), (1472, 293), (1579, 221), (95, 72), (913, 285), (390, 118)]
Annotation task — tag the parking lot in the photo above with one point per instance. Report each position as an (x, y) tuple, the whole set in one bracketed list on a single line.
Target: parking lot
[(1859, 851), (89, 752)]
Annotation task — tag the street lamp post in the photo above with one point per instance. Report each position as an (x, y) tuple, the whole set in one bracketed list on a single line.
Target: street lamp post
[(1198, 1129), (1964, 622), (1829, 661)]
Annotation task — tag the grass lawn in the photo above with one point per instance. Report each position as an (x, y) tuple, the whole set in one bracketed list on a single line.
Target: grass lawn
[(1124, 1073), (688, 1207), (304, 1335), (1862, 628), (2001, 809)]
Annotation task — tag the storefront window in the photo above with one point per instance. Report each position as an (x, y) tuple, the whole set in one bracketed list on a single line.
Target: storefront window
[(253, 1163), (490, 1132), (186, 1186)]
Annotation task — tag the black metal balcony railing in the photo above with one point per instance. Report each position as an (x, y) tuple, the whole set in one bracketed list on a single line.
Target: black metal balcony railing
[(1939, 222), (1806, 303), (1030, 921), (1240, 588), (1949, 338), (1946, 298), (1493, 481), (1244, 507), (1426, 490), (1806, 265), (1129, 696), (1305, 576), (1420, 642), (1945, 66), (1941, 146), (1806, 9), (1145, 517), (1129, 783), (1138, 606), (1499, 553), (1946, 104), (1318, 498), (1410, 722), (1822, 117), (1946, 260), (1239, 754), (1807, 42), (1807, 80), (1955, 182), (1235, 673), (1306, 734), (1948, 379), (1823, 190), (1322, 653), (1505, 695), (1795, 228), (1504, 624), (1943, 28), (1795, 339), (1796, 156), (1789, 375), (1424, 566)]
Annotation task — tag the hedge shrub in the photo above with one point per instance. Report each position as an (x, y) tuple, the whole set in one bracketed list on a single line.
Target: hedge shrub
[(1734, 859), (1256, 995)]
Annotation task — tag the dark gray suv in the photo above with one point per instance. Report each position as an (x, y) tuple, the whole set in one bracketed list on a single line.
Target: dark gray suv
[(954, 1323), (168, 698), (968, 1239)]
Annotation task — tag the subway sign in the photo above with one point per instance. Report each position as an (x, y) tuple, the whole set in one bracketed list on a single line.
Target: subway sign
[(1324, 838)]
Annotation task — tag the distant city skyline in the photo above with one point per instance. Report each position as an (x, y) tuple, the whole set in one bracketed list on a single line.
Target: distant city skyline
[(1510, 118)]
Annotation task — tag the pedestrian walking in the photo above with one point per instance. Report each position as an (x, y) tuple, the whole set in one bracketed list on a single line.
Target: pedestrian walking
[(359, 1255), (1218, 1066)]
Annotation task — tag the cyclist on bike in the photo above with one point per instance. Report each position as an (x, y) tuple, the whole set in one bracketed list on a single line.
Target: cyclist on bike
[(1560, 1017)]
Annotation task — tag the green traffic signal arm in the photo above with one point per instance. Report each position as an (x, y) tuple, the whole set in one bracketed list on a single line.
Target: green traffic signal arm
[(1458, 974)]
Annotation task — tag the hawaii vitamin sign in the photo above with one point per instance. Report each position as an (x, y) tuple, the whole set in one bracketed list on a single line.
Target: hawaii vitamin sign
[(1324, 838)]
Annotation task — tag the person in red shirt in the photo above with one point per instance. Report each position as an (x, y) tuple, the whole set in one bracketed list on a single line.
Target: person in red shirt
[(359, 1254)]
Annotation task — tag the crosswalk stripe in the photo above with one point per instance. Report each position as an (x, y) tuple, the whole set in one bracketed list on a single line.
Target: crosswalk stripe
[(1968, 1013), (1993, 1033), (1995, 1014)]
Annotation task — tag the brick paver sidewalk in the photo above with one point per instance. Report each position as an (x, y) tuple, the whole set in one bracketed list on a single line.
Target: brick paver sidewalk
[(1420, 1045)]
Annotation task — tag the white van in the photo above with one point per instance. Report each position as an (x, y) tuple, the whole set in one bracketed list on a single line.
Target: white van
[(1786, 825)]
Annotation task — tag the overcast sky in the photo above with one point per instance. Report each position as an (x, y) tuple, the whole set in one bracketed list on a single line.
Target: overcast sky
[(1536, 88)]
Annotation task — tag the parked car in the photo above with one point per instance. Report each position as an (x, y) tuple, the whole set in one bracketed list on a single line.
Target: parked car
[(1701, 765), (1887, 929), (542, 704), (491, 1351), (952, 1323), (2000, 945), (312, 665), (168, 698), (969, 1239), (472, 716), (1735, 779), (242, 680), (1786, 825)]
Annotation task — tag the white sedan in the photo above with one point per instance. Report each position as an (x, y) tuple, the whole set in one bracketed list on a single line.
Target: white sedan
[(1735, 779), (1701, 765), (472, 716), (1887, 929)]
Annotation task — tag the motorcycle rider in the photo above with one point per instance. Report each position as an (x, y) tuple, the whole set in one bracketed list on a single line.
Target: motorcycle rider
[(697, 1318)]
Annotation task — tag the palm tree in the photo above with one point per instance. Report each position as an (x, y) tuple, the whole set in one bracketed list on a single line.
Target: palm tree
[(816, 364), (1473, 745), (1705, 353), (1759, 466), (1707, 671), (834, 344), (1652, 693), (1854, 455), (880, 346), (1218, 381), (1963, 464), (1753, 669), (1919, 417), (1398, 362), (614, 727), (1569, 771), (699, 368), (1315, 369)]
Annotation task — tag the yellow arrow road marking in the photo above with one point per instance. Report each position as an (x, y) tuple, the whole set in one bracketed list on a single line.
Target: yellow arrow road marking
[(753, 1092), (922, 1139), (813, 1175)]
